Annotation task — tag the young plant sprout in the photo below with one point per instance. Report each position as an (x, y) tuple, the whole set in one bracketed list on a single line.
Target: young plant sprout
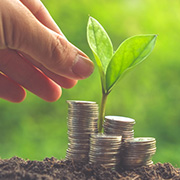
[(112, 65)]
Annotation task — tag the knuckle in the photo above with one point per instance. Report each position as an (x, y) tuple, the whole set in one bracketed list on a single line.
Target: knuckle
[(8, 29), (14, 25), (61, 52)]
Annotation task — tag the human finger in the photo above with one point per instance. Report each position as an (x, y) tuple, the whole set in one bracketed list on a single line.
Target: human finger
[(22, 72), (10, 90), (50, 49), (41, 13), (60, 80)]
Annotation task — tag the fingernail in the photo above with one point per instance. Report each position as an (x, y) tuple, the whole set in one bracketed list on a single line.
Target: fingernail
[(83, 67)]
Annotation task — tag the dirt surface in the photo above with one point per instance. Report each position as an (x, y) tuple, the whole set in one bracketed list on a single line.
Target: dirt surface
[(53, 169)]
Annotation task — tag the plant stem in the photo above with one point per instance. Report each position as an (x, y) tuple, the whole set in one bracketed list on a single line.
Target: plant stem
[(102, 112)]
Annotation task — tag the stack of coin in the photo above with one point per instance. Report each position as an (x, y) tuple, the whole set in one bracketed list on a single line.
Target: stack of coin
[(105, 149), (82, 122), (138, 152), (119, 126)]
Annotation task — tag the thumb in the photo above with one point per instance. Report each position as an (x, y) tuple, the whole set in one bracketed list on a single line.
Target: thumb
[(23, 32)]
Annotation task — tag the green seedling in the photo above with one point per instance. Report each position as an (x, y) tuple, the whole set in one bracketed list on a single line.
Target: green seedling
[(112, 65)]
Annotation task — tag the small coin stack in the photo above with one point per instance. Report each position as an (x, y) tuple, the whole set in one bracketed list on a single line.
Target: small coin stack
[(138, 152), (105, 149), (120, 126), (82, 122)]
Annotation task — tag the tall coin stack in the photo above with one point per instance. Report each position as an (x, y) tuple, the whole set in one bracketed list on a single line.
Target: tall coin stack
[(82, 122), (138, 152), (105, 149), (120, 126)]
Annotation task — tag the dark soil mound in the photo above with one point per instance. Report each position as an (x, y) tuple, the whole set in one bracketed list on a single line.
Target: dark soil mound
[(53, 169)]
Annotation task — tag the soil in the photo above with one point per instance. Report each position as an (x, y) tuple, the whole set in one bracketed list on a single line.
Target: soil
[(53, 169)]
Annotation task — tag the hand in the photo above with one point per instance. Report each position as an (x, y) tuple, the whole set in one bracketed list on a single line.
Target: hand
[(34, 53)]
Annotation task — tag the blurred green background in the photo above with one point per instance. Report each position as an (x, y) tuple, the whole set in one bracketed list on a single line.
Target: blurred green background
[(150, 93)]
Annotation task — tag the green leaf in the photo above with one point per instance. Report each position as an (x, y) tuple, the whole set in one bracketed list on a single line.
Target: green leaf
[(130, 53), (100, 45)]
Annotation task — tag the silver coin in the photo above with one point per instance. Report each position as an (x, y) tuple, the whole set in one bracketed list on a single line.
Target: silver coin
[(116, 146), (119, 126), (138, 152), (120, 119), (105, 149), (142, 140), (82, 122)]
